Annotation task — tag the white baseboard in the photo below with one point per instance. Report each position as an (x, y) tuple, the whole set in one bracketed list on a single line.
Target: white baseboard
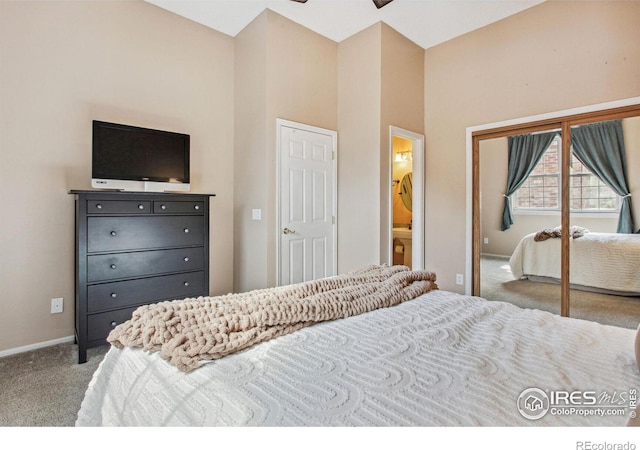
[(28, 348), (495, 256)]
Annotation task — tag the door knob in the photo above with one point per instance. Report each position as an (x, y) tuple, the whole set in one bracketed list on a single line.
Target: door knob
[(288, 231)]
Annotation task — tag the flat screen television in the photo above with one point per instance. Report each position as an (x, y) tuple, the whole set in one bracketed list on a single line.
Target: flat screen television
[(132, 158)]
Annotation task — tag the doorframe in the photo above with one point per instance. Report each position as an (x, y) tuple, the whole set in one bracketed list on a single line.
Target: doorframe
[(417, 197), (281, 123), (564, 119)]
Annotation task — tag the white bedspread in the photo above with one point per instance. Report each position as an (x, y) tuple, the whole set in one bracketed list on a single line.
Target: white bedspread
[(609, 261), (443, 359)]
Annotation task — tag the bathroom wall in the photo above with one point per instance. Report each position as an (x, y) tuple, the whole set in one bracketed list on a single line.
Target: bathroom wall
[(401, 215)]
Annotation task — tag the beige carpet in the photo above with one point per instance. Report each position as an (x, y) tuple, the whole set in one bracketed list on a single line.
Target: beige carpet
[(497, 283), (45, 387)]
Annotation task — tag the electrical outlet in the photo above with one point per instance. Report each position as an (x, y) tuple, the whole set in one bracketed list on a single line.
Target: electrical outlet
[(459, 279), (256, 214), (57, 305), (486, 240)]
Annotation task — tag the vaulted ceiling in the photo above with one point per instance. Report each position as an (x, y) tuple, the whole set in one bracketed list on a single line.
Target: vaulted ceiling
[(425, 22)]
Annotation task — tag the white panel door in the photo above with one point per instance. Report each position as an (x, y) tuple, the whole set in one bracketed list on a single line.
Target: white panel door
[(307, 203)]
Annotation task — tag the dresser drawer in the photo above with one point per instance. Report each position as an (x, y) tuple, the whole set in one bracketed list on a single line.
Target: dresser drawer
[(134, 292), (131, 233), (118, 207), (178, 207), (133, 249), (139, 264), (100, 325)]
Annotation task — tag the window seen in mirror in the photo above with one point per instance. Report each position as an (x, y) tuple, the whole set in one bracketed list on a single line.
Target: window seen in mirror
[(541, 190)]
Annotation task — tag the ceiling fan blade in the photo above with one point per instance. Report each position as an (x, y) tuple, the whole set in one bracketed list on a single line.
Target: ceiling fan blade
[(380, 3)]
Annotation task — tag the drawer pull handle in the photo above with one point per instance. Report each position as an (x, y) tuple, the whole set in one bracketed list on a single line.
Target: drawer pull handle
[(186, 259), (186, 283), (99, 206), (196, 207), (163, 207), (114, 295), (114, 323), (186, 230), (113, 266), (140, 206), (113, 233)]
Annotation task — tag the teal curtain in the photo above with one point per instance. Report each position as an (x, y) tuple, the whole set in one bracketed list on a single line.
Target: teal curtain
[(600, 147), (525, 150)]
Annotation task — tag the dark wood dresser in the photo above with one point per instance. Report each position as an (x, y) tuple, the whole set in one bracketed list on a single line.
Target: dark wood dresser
[(133, 249)]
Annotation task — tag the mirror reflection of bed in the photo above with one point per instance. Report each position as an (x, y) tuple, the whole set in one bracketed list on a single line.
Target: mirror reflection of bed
[(605, 265)]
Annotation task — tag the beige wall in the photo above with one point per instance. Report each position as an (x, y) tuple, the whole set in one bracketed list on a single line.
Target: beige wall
[(402, 106), (555, 56), (302, 87), (63, 65), (380, 83), (359, 103), (284, 71), (250, 156), (156, 69)]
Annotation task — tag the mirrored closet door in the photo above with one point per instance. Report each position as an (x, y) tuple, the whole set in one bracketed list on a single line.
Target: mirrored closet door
[(532, 181), (519, 197)]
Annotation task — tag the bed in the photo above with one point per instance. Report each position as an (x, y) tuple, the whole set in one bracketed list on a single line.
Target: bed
[(600, 262), (439, 359)]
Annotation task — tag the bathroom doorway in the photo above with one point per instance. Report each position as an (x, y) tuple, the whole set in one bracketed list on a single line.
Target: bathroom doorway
[(406, 198)]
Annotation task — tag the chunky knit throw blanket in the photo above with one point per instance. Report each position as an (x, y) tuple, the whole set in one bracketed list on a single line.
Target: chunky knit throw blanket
[(188, 331)]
